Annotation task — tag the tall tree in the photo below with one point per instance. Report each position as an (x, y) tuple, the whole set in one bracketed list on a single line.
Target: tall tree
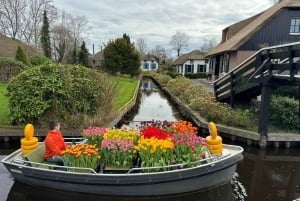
[(126, 37), (60, 37), (179, 42), (33, 19), (83, 55), (141, 46), (74, 55), (70, 31), (159, 53), (11, 14), (121, 56), (45, 36)]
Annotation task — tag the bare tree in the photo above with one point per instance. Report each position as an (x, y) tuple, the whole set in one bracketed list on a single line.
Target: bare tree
[(11, 13), (67, 34), (141, 46), (159, 53), (179, 41), (61, 37), (33, 19), (208, 44)]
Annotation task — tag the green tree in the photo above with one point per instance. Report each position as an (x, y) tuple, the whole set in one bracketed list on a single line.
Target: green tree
[(45, 36), (126, 37), (22, 57), (83, 55), (74, 55), (121, 56)]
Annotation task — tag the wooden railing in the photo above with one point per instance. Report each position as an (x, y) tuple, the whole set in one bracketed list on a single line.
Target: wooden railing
[(281, 62)]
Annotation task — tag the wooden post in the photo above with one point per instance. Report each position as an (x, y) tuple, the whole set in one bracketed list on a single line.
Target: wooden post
[(232, 92), (264, 110)]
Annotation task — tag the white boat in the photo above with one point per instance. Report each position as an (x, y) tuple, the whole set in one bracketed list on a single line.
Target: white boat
[(212, 171)]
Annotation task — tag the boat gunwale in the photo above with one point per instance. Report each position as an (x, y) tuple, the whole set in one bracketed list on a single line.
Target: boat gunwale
[(209, 162)]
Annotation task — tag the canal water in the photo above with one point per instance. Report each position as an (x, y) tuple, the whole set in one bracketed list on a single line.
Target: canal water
[(263, 175)]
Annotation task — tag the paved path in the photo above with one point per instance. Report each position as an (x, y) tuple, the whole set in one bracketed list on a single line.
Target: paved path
[(204, 83)]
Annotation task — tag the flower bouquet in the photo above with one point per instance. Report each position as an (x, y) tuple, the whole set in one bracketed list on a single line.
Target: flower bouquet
[(117, 148), (94, 135), (155, 147), (188, 146), (165, 143), (81, 155)]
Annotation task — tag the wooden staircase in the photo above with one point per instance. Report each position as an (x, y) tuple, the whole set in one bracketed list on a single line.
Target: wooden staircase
[(267, 68), (276, 65)]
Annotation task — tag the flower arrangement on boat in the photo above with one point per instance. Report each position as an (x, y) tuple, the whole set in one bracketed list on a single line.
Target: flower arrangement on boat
[(117, 147), (94, 135), (157, 143), (81, 155)]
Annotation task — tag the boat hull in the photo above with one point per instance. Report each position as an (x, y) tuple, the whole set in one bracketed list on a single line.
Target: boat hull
[(134, 184)]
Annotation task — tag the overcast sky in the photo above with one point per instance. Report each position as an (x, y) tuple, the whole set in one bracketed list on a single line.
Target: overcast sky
[(157, 20)]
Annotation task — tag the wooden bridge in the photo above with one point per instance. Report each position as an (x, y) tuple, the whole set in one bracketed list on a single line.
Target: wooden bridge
[(267, 68)]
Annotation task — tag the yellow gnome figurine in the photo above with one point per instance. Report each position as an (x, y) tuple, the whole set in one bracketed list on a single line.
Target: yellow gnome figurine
[(213, 141), (29, 143)]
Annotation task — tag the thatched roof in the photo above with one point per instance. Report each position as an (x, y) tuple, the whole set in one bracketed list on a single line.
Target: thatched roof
[(149, 57), (239, 33), (8, 47), (97, 56), (194, 55)]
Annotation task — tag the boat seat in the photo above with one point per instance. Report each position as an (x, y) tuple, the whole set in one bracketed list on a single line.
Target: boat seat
[(37, 156)]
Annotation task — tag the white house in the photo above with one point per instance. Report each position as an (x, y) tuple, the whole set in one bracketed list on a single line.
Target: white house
[(149, 63), (192, 62)]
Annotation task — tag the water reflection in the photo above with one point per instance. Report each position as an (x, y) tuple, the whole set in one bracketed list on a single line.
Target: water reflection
[(154, 105), (272, 174), (20, 191)]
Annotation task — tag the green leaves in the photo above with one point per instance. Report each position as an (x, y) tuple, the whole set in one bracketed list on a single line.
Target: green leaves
[(284, 113), (120, 56), (57, 91)]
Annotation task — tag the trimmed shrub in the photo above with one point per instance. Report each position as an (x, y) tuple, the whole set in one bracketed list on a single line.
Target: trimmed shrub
[(9, 68), (202, 101), (196, 75), (39, 60), (284, 113), (70, 93), (288, 91)]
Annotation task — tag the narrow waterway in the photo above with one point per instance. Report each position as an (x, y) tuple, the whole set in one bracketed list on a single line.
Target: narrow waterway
[(272, 174), (153, 105)]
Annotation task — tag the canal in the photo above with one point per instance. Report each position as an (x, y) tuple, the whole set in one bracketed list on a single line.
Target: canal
[(272, 174)]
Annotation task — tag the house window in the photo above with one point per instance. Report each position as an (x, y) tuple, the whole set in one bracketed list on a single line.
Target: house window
[(153, 66), (224, 60), (201, 68), (189, 68), (146, 66), (295, 26)]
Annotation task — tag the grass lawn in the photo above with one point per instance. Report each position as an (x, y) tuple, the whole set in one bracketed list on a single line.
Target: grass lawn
[(3, 105), (125, 86)]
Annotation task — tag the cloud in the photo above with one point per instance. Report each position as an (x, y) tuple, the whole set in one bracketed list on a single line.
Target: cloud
[(157, 20)]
